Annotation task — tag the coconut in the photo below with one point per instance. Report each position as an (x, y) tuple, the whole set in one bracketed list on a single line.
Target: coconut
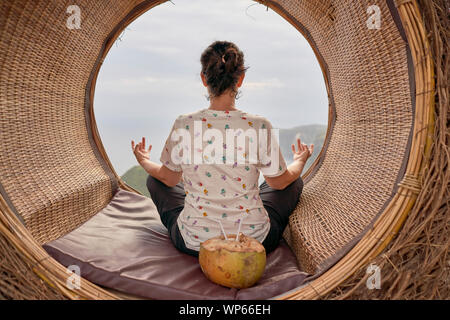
[(234, 263)]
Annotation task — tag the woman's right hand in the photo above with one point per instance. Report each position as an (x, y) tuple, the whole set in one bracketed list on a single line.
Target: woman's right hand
[(303, 153)]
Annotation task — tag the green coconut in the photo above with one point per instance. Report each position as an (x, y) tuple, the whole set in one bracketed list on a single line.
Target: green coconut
[(234, 263)]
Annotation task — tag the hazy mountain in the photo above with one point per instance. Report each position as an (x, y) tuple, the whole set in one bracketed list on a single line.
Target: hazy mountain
[(136, 177), (314, 133)]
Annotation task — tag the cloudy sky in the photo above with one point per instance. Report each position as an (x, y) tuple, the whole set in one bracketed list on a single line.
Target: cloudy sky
[(151, 74)]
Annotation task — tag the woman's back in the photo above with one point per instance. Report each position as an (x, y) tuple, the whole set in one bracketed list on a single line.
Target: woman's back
[(220, 172)]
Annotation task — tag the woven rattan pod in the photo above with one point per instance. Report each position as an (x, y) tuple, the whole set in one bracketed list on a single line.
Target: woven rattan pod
[(55, 174)]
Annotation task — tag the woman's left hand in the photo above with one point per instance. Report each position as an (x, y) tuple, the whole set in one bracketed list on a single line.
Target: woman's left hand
[(140, 152)]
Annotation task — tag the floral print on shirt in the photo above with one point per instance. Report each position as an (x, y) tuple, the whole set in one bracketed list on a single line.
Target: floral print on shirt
[(221, 195)]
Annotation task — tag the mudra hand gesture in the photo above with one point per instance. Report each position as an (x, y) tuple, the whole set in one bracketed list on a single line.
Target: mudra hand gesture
[(303, 153), (140, 152)]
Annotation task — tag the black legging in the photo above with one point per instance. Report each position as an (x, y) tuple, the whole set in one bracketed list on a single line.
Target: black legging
[(279, 205)]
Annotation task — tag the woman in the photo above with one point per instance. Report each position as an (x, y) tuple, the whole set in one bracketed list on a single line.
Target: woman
[(218, 194)]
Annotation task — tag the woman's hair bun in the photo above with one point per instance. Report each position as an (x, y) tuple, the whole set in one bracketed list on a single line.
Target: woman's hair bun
[(222, 65), (231, 60)]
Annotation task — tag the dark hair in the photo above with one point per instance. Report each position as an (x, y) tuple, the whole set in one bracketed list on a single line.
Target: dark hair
[(222, 65)]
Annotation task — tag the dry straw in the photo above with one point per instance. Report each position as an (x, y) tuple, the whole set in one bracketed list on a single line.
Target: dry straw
[(416, 264)]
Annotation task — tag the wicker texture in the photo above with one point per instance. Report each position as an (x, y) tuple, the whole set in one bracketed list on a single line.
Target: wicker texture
[(47, 164), (373, 119)]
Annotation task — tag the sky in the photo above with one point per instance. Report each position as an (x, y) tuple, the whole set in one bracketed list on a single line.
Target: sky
[(151, 74)]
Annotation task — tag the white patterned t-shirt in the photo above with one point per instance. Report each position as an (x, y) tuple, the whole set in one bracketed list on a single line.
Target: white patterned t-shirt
[(220, 172)]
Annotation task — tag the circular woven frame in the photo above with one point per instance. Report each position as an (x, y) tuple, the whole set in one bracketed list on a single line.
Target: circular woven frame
[(385, 129)]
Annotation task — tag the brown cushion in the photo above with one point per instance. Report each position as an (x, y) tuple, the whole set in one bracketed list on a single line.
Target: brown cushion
[(126, 247)]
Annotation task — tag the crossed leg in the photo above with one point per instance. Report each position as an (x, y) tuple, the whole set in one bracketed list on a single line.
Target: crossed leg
[(279, 204)]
